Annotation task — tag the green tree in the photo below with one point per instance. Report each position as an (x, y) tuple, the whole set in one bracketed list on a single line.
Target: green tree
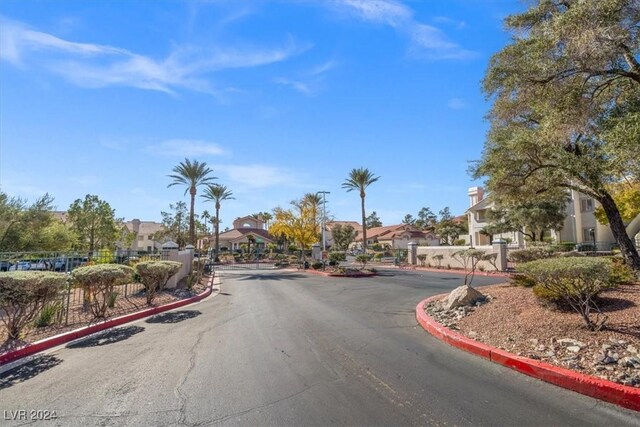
[(447, 228), (94, 222), (217, 193), (206, 217), (359, 179), (566, 105), (343, 236), (409, 219), (174, 224), (373, 220), (191, 174), (31, 227), (426, 219)]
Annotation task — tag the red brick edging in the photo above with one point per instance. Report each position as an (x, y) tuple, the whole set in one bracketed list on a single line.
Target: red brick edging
[(628, 397), (65, 337)]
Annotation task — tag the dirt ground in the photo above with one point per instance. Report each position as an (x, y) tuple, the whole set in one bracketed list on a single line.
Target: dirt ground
[(515, 321)]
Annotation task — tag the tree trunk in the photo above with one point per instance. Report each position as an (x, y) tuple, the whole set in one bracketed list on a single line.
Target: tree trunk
[(628, 250), (364, 224), (217, 231), (192, 222)]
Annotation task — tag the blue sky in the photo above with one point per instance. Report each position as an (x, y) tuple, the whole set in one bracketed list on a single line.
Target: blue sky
[(280, 98)]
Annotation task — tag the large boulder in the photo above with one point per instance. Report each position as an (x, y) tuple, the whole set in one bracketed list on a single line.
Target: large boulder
[(462, 295)]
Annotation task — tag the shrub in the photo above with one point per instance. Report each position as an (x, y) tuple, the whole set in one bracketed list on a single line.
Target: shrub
[(530, 254), (111, 299), (620, 272), (469, 259), (317, 265), (576, 281), (378, 256), (48, 314), (98, 282), (362, 259), (438, 259), (337, 257), (422, 258), (23, 294), (523, 280), (155, 274), (459, 242)]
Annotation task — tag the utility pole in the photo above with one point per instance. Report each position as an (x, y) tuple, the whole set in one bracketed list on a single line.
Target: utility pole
[(324, 218)]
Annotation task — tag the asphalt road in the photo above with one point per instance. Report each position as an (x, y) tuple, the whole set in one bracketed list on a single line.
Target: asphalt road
[(278, 348)]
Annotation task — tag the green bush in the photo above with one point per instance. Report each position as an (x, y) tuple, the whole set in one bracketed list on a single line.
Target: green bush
[(362, 259), (337, 256), (523, 280), (98, 282), (48, 314), (576, 281), (422, 258), (530, 254), (459, 242), (155, 274), (621, 273), (23, 295), (317, 265)]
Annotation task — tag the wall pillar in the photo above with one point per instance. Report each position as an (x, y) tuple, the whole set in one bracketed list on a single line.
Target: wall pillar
[(413, 253), (500, 248), (316, 252)]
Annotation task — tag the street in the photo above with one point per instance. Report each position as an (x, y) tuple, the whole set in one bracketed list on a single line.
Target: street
[(287, 348)]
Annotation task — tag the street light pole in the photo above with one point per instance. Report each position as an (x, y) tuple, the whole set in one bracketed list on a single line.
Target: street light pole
[(324, 218)]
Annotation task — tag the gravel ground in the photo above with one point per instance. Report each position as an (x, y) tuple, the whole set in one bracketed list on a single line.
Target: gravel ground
[(513, 320)]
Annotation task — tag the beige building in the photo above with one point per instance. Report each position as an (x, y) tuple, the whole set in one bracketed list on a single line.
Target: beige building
[(247, 230), (144, 231), (580, 225), (399, 236)]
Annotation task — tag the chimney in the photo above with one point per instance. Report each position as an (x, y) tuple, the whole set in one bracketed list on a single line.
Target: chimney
[(476, 194)]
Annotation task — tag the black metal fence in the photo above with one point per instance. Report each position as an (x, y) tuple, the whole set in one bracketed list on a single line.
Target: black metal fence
[(65, 262)]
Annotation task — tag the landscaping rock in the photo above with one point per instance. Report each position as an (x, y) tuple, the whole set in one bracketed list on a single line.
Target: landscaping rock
[(574, 348), (570, 342), (462, 296)]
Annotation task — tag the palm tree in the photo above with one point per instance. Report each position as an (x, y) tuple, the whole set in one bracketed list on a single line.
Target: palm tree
[(206, 216), (217, 193), (360, 179), (191, 175)]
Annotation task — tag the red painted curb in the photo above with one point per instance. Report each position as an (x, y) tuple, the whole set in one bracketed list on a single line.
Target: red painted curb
[(618, 394), (65, 337)]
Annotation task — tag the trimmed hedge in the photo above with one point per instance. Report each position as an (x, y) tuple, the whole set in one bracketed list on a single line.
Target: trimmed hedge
[(98, 282), (155, 275), (576, 281), (23, 295)]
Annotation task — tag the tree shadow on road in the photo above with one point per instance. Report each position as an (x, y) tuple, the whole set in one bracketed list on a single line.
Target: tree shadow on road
[(109, 337), (28, 370), (274, 277), (174, 317)]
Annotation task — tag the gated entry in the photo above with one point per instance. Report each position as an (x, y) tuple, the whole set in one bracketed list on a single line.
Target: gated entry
[(245, 266)]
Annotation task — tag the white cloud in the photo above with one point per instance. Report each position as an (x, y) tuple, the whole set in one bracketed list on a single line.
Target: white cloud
[(95, 65), (297, 85), (186, 148), (457, 104), (382, 11), (428, 41)]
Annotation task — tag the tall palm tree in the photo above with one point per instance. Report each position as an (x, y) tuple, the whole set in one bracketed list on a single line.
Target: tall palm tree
[(191, 174), (313, 201), (360, 179), (217, 193), (206, 216)]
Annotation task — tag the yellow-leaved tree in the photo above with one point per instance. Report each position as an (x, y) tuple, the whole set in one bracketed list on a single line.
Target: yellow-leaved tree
[(298, 224)]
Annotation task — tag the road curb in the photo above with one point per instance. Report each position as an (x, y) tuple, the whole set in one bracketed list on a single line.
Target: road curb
[(47, 343), (456, 271), (618, 394)]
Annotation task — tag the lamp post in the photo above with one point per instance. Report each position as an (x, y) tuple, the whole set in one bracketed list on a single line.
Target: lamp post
[(324, 218)]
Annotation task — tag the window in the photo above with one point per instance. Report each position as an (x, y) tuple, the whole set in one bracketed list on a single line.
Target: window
[(588, 234), (481, 216), (140, 237), (586, 205)]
